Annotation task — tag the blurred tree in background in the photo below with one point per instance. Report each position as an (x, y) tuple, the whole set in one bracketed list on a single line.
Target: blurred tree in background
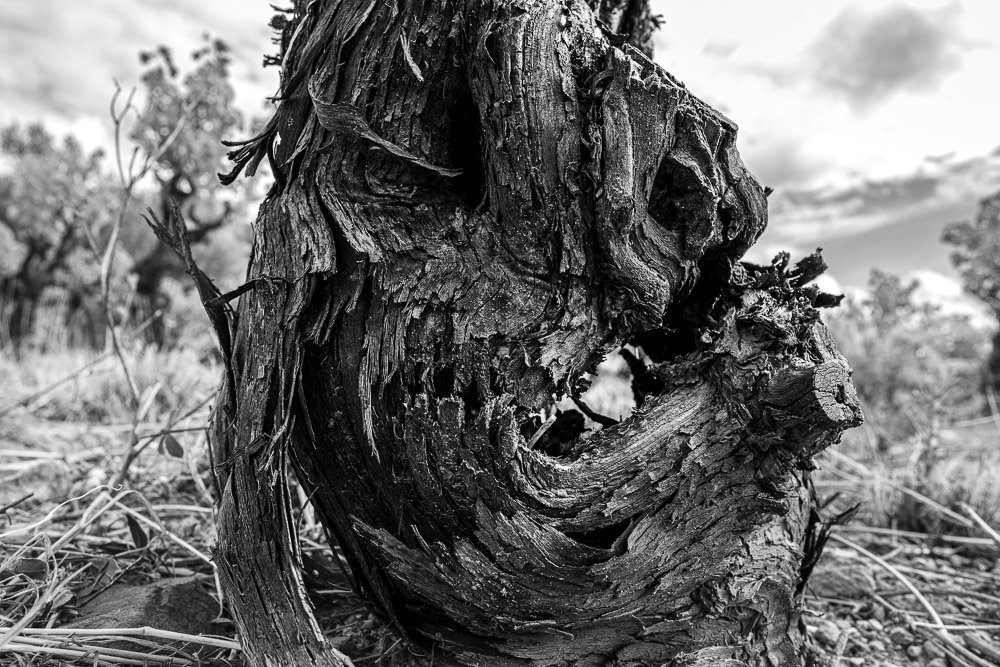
[(54, 193), (918, 372), (48, 191), (977, 258), (184, 123)]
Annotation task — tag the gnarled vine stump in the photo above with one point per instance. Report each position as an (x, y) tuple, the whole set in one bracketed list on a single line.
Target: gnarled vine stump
[(475, 203)]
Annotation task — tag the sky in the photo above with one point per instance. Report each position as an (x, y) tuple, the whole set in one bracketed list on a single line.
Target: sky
[(876, 122)]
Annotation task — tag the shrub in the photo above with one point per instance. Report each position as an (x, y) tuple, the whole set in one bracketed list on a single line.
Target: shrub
[(913, 364)]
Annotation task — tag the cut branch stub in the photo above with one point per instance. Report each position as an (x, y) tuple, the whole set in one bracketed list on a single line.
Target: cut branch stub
[(409, 323), (823, 395)]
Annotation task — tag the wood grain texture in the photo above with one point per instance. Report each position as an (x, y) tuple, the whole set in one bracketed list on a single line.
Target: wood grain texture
[(475, 203)]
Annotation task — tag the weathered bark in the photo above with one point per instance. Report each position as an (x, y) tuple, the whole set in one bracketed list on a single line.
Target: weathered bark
[(475, 203)]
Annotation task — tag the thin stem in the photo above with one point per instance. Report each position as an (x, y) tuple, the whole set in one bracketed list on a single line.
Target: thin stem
[(979, 521), (885, 565), (136, 632)]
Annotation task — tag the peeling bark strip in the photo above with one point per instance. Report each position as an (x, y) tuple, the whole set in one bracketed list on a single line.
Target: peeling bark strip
[(475, 203)]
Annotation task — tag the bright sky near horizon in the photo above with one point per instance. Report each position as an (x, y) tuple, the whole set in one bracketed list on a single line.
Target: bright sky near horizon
[(875, 121)]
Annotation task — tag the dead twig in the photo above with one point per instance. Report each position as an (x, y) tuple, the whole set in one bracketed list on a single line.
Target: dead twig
[(145, 631), (950, 643), (985, 527), (891, 569)]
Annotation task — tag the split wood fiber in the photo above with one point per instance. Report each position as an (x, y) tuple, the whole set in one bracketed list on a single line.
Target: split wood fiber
[(475, 202)]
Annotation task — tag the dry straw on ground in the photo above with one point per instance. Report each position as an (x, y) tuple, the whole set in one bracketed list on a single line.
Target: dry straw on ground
[(896, 597)]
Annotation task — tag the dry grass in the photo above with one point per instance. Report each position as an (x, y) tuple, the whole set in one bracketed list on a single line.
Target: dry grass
[(932, 497), (96, 391), (919, 484), (50, 563), (930, 508), (66, 534), (64, 438), (922, 601)]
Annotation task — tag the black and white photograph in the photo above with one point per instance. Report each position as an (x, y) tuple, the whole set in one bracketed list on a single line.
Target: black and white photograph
[(500, 333)]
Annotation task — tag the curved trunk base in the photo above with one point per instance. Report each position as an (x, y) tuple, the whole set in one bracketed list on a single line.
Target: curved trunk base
[(476, 203)]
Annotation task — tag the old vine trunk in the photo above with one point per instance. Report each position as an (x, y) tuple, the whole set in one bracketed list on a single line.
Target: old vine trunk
[(475, 202)]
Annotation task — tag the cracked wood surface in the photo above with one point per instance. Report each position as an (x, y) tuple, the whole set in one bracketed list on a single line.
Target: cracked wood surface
[(475, 202)]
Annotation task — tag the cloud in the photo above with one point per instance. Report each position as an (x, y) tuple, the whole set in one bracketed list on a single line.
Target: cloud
[(865, 198), (59, 57), (893, 223), (868, 56), (824, 91), (781, 163), (810, 215), (720, 49), (947, 294)]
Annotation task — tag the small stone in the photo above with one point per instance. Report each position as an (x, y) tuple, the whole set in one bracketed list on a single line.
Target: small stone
[(836, 578), (876, 624), (983, 644), (932, 650), (827, 633), (901, 636), (878, 614), (46, 479), (178, 605), (876, 646), (914, 652)]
